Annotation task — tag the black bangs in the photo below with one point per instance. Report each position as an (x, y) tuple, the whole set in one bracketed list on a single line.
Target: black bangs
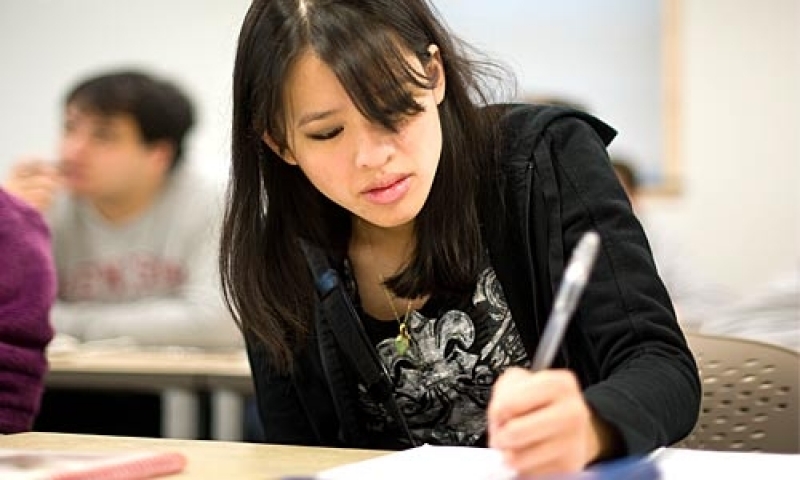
[(373, 64), (102, 99)]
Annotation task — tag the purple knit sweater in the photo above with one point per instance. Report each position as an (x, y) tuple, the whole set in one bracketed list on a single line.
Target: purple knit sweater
[(27, 291)]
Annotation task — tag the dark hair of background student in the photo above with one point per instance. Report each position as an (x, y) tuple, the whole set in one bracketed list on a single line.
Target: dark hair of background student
[(160, 109), (271, 204), (626, 174)]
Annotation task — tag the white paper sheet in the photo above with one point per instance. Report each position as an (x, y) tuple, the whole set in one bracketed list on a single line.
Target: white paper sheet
[(683, 464), (427, 462), (464, 463)]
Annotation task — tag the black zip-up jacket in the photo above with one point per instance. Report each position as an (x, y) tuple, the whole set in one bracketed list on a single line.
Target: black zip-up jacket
[(623, 343)]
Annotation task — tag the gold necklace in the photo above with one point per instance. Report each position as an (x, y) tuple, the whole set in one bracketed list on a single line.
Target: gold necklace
[(403, 339)]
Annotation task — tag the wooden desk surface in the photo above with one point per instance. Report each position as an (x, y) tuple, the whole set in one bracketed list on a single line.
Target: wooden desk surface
[(150, 369), (206, 459), (175, 362)]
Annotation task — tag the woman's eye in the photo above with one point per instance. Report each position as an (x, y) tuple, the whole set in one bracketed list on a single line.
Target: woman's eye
[(327, 134)]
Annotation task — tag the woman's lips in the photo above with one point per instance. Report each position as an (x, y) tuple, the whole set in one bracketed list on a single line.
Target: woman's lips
[(389, 191)]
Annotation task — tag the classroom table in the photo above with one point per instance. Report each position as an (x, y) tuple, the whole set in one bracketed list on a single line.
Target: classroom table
[(210, 459), (177, 374), (206, 459)]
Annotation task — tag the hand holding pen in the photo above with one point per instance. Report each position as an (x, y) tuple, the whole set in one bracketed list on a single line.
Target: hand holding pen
[(538, 418)]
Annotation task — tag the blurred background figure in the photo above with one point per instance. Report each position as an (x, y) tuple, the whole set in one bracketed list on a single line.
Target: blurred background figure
[(135, 238), (27, 291), (136, 234), (768, 314), (695, 296)]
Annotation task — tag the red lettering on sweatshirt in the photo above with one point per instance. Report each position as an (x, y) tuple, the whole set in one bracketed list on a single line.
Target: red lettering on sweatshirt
[(131, 278)]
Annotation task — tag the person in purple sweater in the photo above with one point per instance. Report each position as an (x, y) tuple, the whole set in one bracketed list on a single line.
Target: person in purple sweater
[(27, 291)]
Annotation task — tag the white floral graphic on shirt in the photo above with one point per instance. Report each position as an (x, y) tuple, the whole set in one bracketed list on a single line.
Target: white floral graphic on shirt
[(443, 382)]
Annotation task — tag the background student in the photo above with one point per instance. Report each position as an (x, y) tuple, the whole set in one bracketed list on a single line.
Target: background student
[(135, 232)]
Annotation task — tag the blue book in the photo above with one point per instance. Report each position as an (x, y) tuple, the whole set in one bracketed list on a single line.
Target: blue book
[(629, 468)]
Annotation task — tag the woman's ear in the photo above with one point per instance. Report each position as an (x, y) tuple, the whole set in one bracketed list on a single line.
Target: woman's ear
[(286, 155), (435, 69)]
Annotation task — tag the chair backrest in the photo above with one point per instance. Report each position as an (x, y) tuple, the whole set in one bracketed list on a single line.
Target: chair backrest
[(750, 396)]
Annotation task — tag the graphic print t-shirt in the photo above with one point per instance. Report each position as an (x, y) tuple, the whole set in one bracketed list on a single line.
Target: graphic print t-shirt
[(443, 382)]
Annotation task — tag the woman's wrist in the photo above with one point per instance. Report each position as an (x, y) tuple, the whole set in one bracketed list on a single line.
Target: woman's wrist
[(604, 440)]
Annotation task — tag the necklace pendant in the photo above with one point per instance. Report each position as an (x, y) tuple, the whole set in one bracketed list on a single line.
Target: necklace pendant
[(401, 344), (402, 340)]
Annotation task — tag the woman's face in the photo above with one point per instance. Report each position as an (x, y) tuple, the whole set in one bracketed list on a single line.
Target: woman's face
[(381, 176)]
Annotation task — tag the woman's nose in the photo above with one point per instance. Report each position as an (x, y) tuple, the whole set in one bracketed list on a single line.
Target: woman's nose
[(375, 146)]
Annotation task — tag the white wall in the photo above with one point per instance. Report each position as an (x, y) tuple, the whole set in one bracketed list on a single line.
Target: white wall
[(604, 55), (739, 213), (740, 75)]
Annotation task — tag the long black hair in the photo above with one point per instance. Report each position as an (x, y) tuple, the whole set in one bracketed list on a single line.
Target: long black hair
[(271, 204)]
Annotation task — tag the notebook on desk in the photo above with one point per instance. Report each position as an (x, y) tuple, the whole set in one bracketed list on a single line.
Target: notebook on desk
[(25, 464)]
